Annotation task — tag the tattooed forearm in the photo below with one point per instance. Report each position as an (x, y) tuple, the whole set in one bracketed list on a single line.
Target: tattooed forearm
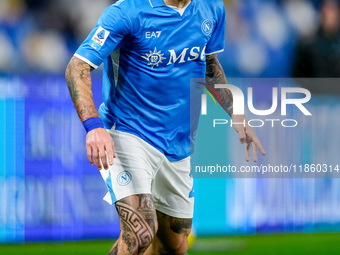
[(78, 78), (215, 75)]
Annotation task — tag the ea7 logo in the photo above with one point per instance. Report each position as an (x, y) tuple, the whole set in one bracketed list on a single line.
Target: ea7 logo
[(153, 34)]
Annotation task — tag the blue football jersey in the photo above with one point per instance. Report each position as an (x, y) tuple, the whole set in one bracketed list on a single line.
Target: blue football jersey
[(150, 52)]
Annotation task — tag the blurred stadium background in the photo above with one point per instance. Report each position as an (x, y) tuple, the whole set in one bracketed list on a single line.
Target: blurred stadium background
[(49, 192)]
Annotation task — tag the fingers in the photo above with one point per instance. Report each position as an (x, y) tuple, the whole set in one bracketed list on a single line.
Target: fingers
[(89, 154), (251, 136), (247, 152), (249, 146), (100, 148), (254, 143), (259, 146), (104, 159), (242, 135), (254, 152), (110, 151), (96, 157)]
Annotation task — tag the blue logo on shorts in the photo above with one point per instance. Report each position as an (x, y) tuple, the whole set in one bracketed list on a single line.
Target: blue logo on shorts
[(124, 178), (207, 27)]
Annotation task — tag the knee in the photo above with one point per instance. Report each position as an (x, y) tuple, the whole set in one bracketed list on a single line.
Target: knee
[(136, 242), (173, 235), (131, 244), (176, 247)]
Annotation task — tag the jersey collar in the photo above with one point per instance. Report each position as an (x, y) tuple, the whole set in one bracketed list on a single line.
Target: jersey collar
[(156, 3)]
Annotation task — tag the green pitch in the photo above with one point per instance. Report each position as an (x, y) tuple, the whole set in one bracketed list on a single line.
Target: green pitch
[(296, 244)]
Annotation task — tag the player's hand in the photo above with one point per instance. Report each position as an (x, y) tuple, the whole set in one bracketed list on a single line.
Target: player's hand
[(100, 148), (248, 136)]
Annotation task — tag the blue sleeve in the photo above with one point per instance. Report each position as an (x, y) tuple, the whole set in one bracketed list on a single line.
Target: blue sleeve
[(217, 40), (106, 37)]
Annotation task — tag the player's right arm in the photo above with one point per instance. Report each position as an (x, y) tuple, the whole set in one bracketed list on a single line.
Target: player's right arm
[(108, 34), (98, 141)]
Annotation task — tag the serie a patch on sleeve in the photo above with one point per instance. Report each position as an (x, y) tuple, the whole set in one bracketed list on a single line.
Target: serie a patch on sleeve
[(99, 38)]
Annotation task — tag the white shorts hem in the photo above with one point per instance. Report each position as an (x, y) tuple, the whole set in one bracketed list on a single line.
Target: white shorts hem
[(107, 198), (174, 213)]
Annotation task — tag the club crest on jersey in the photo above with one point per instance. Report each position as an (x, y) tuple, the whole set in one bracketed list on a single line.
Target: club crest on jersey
[(99, 38), (124, 178), (207, 27), (154, 58)]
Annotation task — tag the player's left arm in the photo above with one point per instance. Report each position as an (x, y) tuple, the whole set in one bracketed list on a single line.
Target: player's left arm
[(215, 75)]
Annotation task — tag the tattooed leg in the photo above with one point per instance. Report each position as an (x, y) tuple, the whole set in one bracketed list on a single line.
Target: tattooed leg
[(138, 222), (171, 238)]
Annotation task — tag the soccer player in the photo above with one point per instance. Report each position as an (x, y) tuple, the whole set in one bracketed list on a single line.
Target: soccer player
[(140, 138)]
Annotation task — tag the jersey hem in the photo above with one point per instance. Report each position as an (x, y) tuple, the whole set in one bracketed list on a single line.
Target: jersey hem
[(139, 138), (173, 159), (215, 52), (124, 195), (86, 60)]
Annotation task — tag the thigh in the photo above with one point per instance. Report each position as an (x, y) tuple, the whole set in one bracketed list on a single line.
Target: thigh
[(132, 170), (138, 221), (172, 227), (172, 189)]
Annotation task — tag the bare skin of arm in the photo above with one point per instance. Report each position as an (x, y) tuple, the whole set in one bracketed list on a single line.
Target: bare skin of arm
[(98, 141), (215, 75)]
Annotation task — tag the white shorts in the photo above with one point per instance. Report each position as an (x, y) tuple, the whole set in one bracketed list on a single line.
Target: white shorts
[(139, 168)]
